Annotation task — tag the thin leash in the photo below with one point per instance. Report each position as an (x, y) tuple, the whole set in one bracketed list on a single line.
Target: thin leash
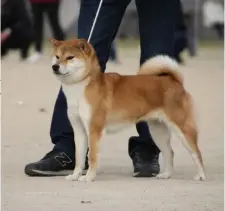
[(95, 20)]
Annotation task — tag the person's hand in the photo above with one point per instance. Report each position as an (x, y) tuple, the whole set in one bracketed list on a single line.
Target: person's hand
[(5, 34)]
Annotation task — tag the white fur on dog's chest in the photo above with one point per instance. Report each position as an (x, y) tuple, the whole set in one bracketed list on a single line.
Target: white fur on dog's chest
[(76, 101)]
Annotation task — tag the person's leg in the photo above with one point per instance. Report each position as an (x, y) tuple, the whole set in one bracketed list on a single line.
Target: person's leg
[(157, 19), (61, 131), (4, 50), (112, 54), (38, 15), (28, 38), (219, 29), (59, 161), (8, 44), (60, 126), (106, 27), (52, 10), (38, 11), (24, 51), (180, 43)]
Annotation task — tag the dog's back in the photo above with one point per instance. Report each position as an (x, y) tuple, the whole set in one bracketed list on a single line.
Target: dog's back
[(157, 85)]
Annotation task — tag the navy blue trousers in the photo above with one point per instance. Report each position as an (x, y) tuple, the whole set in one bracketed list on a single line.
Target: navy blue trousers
[(157, 20)]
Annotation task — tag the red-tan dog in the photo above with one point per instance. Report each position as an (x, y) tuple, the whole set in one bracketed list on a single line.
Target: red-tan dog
[(99, 103)]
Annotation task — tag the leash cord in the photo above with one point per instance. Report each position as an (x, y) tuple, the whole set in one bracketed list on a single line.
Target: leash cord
[(95, 20)]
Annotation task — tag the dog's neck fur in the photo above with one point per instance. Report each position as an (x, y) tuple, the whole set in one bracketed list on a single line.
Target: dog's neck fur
[(94, 68)]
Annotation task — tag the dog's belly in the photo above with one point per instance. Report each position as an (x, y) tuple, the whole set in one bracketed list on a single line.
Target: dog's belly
[(117, 127)]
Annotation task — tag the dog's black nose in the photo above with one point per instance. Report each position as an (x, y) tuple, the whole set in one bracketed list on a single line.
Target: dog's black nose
[(55, 68)]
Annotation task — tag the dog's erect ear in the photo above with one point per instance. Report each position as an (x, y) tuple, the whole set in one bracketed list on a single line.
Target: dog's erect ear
[(54, 42), (84, 46)]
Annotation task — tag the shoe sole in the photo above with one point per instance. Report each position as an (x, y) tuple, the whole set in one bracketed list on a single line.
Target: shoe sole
[(38, 173), (144, 174)]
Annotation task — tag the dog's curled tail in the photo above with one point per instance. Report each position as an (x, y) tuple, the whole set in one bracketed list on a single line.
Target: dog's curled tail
[(161, 65)]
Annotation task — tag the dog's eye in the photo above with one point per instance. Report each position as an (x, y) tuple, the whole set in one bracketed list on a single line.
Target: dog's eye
[(70, 57), (57, 57)]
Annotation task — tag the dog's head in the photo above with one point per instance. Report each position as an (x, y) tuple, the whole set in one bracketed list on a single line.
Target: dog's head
[(72, 59)]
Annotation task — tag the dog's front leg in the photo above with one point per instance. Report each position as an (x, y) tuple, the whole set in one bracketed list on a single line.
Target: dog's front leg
[(81, 146), (94, 145), (95, 135)]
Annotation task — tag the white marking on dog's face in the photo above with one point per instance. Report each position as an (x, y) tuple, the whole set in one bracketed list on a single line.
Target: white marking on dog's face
[(73, 70), (76, 67), (54, 60)]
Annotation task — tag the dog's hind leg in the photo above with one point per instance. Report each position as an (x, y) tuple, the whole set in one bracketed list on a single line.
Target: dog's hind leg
[(182, 123), (186, 130), (188, 135), (161, 136)]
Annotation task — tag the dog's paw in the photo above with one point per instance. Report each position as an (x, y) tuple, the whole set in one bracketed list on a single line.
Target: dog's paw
[(89, 177), (72, 177), (82, 178), (200, 177), (164, 175)]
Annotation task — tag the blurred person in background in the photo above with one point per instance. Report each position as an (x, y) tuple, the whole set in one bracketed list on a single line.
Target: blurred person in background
[(113, 52), (113, 56), (180, 42), (157, 20), (16, 27), (213, 13), (39, 8)]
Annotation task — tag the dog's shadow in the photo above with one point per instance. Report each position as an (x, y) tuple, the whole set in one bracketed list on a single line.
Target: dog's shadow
[(124, 173), (114, 173)]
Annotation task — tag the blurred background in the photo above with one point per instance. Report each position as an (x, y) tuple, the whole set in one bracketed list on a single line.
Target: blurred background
[(27, 24)]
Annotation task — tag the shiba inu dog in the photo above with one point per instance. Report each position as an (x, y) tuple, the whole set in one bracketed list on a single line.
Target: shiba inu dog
[(101, 103)]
